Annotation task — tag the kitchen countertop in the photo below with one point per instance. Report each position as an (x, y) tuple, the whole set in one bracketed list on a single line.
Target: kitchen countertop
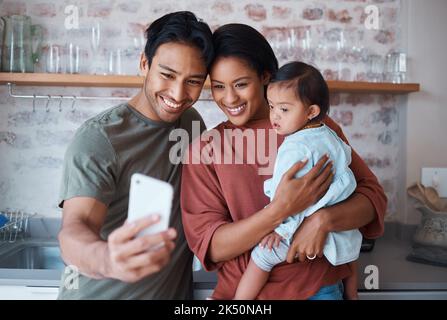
[(396, 272), (34, 278), (389, 255)]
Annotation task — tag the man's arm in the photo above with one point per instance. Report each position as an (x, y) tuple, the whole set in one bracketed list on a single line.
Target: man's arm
[(123, 256)]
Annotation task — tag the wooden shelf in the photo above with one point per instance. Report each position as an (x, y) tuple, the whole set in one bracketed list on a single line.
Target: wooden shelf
[(85, 80), (373, 87), (70, 80)]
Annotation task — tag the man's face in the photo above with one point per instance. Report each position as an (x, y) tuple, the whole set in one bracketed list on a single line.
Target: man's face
[(173, 81)]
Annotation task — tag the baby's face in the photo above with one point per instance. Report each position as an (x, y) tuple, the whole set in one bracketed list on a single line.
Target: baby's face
[(287, 112)]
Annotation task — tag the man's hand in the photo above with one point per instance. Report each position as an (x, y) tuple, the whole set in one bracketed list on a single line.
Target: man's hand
[(132, 258), (309, 240), (271, 240), (296, 194)]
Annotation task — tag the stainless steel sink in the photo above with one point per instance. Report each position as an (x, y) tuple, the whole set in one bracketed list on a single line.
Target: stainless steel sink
[(35, 248), (31, 255)]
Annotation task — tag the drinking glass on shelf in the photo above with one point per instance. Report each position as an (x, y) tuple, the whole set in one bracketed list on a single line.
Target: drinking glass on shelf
[(72, 58), (344, 72), (343, 52), (353, 46), (333, 43), (53, 59), (396, 67), (357, 54), (130, 61), (130, 57), (95, 43), (306, 52), (278, 43), (330, 54), (375, 68), (114, 59), (292, 45), (139, 41)]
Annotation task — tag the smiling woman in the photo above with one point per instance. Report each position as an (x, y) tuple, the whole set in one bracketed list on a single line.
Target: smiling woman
[(224, 209)]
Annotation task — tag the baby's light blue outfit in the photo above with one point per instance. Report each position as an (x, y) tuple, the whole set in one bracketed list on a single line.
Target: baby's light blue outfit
[(313, 143)]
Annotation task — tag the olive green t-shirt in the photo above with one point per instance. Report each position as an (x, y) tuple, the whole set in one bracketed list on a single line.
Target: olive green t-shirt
[(105, 152)]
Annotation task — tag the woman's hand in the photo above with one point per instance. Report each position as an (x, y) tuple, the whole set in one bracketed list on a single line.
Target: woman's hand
[(271, 240), (309, 239), (296, 194)]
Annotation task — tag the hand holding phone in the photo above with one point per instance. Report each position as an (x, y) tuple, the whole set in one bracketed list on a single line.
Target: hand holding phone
[(149, 196)]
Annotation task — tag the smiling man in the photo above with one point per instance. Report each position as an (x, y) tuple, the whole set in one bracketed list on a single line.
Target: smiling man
[(108, 149)]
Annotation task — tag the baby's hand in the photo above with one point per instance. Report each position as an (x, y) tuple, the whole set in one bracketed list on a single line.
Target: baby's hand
[(270, 240)]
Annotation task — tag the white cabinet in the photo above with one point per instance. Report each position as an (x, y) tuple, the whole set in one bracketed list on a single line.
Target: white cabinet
[(28, 293)]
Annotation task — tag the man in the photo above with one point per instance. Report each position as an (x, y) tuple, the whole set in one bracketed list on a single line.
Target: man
[(108, 149)]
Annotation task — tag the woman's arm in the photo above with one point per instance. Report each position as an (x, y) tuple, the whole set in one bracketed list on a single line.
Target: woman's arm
[(293, 195), (209, 229), (251, 230), (310, 237), (355, 213), (232, 239)]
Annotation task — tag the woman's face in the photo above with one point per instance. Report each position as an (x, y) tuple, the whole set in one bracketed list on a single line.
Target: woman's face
[(238, 90)]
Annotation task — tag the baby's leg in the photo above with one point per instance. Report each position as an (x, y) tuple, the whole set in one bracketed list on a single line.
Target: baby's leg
[(252, 281), (258, 270), (351, 283)]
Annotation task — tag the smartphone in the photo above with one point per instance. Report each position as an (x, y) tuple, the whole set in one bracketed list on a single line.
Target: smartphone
[(148, 196)]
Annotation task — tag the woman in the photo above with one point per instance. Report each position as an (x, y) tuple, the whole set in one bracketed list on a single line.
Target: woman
[(225, 212)]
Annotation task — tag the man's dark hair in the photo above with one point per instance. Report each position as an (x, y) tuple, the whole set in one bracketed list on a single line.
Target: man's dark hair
[(182, 27), (246, 43), (308, 83)]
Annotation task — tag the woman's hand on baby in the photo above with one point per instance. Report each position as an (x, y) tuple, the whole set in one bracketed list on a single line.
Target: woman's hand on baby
[(309, 239), (296, 194), (271, 240)]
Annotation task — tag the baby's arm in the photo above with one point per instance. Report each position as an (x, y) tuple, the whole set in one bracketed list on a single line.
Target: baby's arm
[(271, 240)]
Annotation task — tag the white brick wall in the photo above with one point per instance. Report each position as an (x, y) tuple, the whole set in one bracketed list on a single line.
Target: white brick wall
[(32, 144)]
